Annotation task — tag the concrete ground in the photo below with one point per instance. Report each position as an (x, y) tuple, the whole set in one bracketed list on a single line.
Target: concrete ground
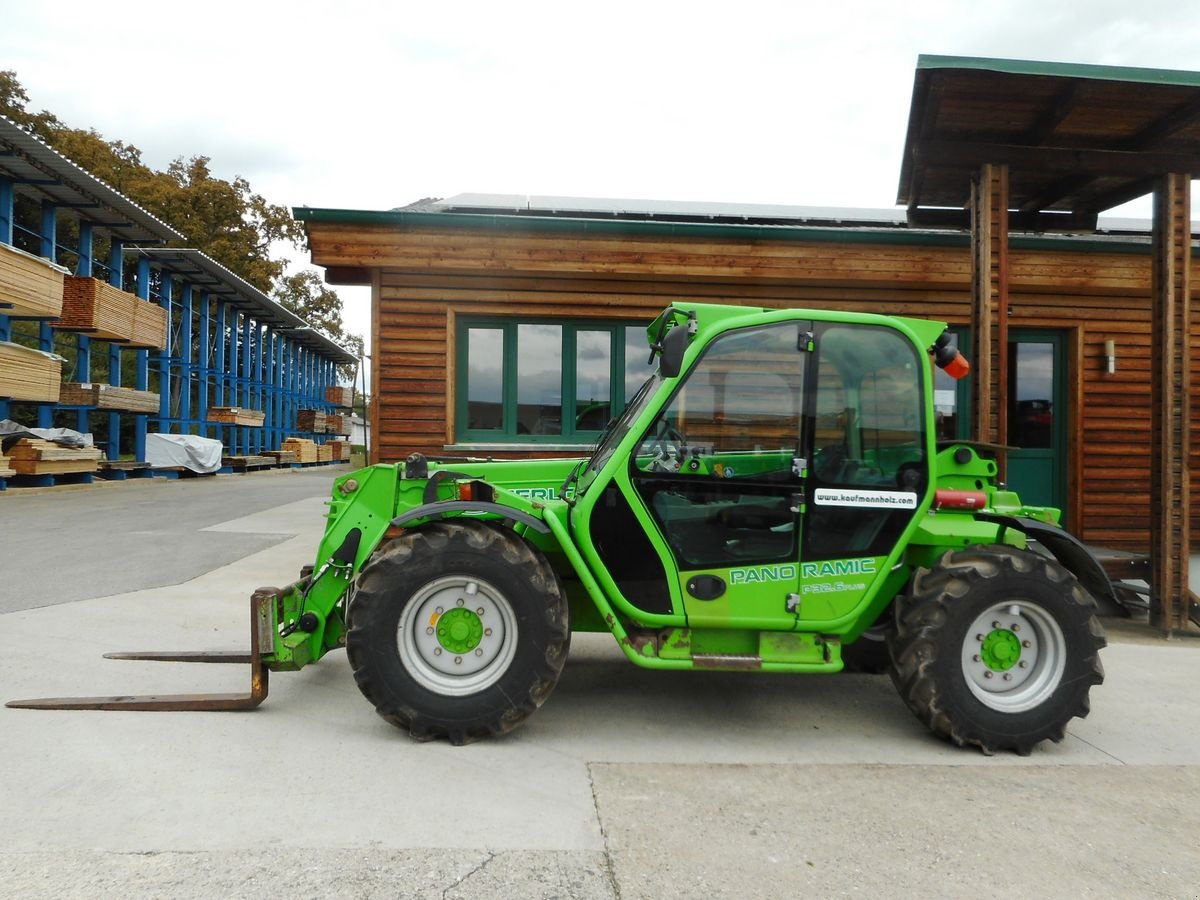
[(626, 784)]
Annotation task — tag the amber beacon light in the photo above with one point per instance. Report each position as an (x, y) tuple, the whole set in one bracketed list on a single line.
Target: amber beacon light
[(948, 358)]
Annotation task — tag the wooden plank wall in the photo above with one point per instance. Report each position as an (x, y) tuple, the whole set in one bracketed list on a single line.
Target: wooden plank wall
[(425, 279)]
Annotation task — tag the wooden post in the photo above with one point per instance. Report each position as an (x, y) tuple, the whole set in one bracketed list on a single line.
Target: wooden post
[(989, 305), (1170, 407)]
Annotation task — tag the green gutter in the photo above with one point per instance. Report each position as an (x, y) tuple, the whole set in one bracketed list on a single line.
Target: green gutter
[(812, 234), (1061, 70)]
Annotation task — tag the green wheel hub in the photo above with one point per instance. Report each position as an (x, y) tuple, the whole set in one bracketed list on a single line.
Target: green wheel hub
[(1000, 650), (459, 630)]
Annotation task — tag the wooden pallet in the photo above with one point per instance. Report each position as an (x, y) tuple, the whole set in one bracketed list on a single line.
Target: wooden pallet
[(27, 374), (107, 396), (246, 463), (29, 285), (282, 457)]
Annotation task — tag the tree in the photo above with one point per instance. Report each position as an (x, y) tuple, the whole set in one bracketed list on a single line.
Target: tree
[(310, 298), (225, 219)]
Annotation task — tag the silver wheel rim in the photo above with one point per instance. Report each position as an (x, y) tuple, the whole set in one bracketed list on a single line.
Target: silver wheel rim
[(446, 668), (1013, 656)]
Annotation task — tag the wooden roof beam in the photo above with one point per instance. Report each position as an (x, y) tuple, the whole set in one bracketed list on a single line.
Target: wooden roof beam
[(1163, 127), (1047, 123), (1063, 160)]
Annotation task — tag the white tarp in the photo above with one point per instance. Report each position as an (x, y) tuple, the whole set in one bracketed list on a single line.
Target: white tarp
[(196, 453)]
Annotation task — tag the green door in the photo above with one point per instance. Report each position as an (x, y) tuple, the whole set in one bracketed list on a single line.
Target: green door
[(1037, 417)]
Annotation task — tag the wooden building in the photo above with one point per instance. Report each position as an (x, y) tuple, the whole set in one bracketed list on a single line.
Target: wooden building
[(507, 324)]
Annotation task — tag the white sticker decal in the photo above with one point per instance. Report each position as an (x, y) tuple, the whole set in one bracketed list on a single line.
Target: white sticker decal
[(872, 499)]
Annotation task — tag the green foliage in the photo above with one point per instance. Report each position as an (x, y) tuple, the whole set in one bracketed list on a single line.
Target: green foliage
[(308, 297), (225, 219)]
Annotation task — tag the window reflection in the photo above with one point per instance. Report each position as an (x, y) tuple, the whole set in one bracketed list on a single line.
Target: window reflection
[(593, 380), (539, 379), (485, 378)]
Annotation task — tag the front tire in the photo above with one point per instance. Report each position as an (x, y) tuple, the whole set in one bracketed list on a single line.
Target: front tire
[(996, 647), (458, 630)]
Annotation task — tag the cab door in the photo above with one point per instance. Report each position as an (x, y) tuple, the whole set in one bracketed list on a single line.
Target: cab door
[(720, 473)]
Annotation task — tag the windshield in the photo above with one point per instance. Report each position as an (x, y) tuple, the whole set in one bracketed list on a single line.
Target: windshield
[(619, 427)]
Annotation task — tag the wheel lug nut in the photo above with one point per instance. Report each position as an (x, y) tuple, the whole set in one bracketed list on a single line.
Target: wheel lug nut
[(479, 611), (1014, 627), (479, 651), (979, 637), (975, 658), (440, 610), (458, 660), (429, 630), (487, 632), (1023, 664), (1007, 676), (461, 601), (988, 675), (1026, 644), (437, 651), (995, 624)]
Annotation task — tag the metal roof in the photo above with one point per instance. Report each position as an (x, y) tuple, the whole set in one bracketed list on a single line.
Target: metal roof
[(33, 164), (210, 276), (665, 210), (1077, 139)]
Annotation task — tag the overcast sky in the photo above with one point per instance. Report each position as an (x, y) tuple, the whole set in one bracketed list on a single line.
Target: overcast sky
[(374, 105)]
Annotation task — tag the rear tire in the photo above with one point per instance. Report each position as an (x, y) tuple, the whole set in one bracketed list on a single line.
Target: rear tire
[(458, 631), (997, 648)]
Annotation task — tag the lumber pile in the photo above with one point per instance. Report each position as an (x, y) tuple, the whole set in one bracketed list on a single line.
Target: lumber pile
[(334, 423), (324, 453), (282, 457), (29, 285), (339, 449), (236, 415), (339, 396), (111, 314), (304, 449), (6, 471), (310, 420), (32, 456), (107, 396), (27, 374)]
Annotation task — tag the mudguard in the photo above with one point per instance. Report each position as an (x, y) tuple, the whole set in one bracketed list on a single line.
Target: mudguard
[(1072, 553)]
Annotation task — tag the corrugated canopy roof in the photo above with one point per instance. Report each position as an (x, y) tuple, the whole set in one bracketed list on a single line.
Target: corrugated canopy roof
[(1077, 139), (30, 161), (210, 276)]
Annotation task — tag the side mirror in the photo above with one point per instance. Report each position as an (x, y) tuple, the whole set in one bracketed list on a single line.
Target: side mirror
[(674, 345)]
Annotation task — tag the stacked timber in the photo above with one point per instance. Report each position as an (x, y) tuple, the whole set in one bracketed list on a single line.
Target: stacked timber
[(340, 450), (236, 415), (107, 396), (310, 420), (27, 374), (32, 456), (6, 471), (304, 449), (339, 396), (334, 423), (324, 453), (29, 285), (282, 457), (111, 314)]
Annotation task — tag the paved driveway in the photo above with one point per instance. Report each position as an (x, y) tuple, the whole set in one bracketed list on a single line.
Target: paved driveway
[(627, 784)]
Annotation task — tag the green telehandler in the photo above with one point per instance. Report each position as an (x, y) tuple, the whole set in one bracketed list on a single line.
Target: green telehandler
[(773, 499)]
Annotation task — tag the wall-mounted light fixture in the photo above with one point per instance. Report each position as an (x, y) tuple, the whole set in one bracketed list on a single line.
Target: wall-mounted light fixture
[(1110, 357)]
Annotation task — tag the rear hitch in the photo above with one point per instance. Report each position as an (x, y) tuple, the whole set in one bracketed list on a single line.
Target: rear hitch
[(262, 634)]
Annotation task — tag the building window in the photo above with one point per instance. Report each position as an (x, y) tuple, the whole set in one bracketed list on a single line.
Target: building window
[(541, 381)]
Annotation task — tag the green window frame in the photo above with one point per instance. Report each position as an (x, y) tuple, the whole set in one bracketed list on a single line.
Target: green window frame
[(502, 408)]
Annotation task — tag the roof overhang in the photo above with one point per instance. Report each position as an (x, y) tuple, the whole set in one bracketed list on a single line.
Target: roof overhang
[(34, 165), (209, 276), (1077, 139)]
